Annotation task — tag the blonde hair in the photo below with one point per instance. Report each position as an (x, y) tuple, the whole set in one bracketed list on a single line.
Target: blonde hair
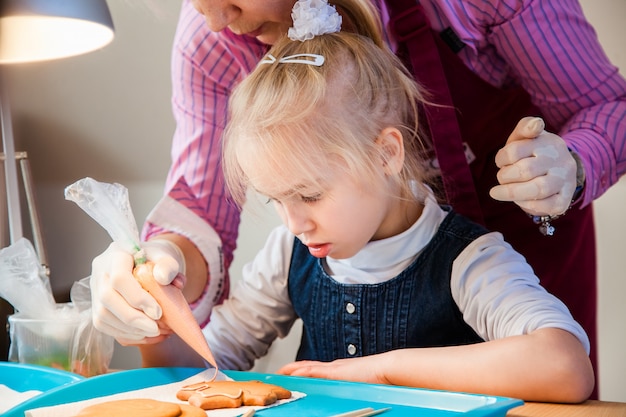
[(299, 119)]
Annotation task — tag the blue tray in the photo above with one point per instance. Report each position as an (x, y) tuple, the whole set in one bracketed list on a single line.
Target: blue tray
[(23, 377), (323, 397)]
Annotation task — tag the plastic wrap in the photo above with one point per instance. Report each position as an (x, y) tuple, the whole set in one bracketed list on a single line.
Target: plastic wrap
[(43, 332)]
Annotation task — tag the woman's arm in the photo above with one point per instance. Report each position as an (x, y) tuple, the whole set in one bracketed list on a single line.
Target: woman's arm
[(205, 67), (554, 53)]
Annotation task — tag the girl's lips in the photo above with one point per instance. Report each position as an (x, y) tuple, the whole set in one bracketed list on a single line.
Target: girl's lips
[(320, 251)]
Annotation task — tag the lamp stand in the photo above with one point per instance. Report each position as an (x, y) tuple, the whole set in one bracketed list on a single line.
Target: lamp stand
[(13, 207), (10, 169)]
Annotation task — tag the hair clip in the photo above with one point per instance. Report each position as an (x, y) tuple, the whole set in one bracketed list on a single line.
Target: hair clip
[(317, 60)]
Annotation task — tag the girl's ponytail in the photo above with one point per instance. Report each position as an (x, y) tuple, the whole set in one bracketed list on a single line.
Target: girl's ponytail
[(361, 17)]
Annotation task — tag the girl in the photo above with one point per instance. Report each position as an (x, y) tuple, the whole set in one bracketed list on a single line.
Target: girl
[(391, 287)]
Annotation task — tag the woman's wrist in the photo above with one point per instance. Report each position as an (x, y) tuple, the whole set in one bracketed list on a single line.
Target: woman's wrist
[(580, 177)]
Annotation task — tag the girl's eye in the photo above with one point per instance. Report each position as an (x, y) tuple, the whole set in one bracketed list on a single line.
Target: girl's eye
[(272, 200), (307, 199), (311, 199)]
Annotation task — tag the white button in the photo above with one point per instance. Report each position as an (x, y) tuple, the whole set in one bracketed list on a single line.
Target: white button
[(350, 308), (351, 349)]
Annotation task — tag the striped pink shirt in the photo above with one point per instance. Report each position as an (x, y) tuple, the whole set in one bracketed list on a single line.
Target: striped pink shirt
[(545, 46)]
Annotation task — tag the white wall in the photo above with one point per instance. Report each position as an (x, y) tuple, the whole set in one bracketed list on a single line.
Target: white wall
[(107, 115), (608, 17)]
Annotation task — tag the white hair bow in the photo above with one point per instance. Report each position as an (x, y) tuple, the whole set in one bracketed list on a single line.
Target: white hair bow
[(313, 18)]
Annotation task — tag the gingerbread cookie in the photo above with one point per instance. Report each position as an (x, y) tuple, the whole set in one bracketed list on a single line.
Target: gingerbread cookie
[(231, 394), (188, 410), (140, 407)]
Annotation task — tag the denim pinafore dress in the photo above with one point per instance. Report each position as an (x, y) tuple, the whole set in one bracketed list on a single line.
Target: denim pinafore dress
[(413, 309)]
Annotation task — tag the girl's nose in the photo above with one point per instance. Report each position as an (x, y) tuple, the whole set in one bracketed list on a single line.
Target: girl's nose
[(297, 220)]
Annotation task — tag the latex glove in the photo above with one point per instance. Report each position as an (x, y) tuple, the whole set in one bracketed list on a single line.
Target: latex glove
[(168, 259), (120, 306), (537, 171)]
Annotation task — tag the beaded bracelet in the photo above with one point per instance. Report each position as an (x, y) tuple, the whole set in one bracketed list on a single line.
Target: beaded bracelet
[(545, 227)]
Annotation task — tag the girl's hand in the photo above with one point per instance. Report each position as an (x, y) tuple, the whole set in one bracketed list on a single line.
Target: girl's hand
[(368, 369)]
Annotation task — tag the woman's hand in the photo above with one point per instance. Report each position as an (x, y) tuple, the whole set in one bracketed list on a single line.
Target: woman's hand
[(537, 171), (120, 307)]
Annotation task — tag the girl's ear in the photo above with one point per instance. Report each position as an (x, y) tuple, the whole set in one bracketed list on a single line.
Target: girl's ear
[(391, 147)]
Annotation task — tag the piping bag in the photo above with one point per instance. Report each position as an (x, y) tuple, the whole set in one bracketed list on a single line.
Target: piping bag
[(108, 204)]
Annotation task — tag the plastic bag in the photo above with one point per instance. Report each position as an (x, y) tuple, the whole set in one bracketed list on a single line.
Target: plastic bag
[(92, 350), (24, 283)]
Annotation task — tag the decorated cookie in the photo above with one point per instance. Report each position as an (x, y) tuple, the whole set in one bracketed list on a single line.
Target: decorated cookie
[(231, 394)]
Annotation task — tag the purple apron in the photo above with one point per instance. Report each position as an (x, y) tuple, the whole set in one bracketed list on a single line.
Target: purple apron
[(485, 116)]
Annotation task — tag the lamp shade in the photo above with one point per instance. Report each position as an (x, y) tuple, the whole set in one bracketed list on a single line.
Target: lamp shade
[(39, 30)]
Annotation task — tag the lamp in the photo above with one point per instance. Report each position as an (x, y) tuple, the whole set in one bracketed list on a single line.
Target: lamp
[(39, 30)]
